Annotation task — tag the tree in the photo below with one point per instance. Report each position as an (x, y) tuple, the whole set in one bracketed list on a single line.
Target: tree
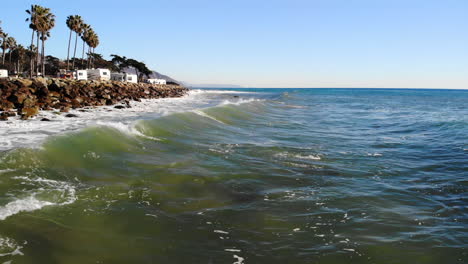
[(19, 56), (87, 30), (119, 62), (12, 45), (70, 23), (33, 22), (52, 65), (2, 41), (78, 29), (4, 45), (46, 21), (92, 40)]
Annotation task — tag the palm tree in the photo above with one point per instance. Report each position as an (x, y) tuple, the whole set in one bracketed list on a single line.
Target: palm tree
[(33, 21), (12, 45), (78, 29), (93, 42), (47, 22), (87, 31), (4, 46), (19, 54), (70, 22)]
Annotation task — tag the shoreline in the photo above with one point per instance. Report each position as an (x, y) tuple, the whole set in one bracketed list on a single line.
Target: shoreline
[(27, 97)]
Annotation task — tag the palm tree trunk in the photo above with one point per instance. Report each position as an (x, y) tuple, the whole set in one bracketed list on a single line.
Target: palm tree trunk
[(43, 56), (38, 55), (32, 64), (74, 53), (82, 55), (9, 61), (87, 61), (68, 53)]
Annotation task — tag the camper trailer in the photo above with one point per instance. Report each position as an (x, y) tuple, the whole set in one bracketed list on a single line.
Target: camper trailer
[(98, 74), (124, 77), (156, 81), (80, 75), (3, 73)]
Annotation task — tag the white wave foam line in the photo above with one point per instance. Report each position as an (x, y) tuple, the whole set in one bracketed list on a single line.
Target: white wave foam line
[(297, 156), (6, 170), (31, 203), (201, 113), (200, 91), (128, 129), (309, 157), (10, 246), (239, 101), (23, 205)]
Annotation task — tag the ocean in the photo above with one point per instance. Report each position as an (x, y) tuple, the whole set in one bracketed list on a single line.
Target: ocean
[(241, 176)]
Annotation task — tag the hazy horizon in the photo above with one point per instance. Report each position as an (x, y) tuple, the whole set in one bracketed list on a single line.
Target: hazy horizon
[(274, 44)]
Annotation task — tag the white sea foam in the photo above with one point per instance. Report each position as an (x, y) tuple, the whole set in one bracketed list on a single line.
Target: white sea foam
[(286, 154), (209, 91), (239, 101), (221, 232), (22, 205), (9, 247), (240, 260), (67, 195), (201, 113), (232, 250)]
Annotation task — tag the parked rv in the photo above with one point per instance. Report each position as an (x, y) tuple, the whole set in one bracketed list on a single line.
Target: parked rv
[(124, 77), (80, 75), (99, 74), (3, 73), (156, 81)]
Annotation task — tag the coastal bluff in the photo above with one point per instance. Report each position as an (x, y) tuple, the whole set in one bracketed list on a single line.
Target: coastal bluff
[(26, 97)]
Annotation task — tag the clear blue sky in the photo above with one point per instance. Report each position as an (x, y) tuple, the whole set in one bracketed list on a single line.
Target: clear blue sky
[(273, 43)]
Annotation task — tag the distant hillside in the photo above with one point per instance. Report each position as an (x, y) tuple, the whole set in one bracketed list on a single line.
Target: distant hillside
[(154, 75)]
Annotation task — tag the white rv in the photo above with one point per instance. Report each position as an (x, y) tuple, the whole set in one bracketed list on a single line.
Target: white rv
[(80, 75), (3, 73), (156, 81), (99, 74), (124, 77)]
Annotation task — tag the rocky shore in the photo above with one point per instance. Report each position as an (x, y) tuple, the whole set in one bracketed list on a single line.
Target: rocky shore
[(26, 97)]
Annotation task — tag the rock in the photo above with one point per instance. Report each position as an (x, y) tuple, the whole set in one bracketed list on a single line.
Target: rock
[(30, 95), (29, 112), (45, 120), (71, 115), (24, 82), (41, 80)]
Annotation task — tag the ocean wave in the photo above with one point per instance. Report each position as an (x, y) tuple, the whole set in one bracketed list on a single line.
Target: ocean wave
[(32, 133), (129, 129), (64, 193)]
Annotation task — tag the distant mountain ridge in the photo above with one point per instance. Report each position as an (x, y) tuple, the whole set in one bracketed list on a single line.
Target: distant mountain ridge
[(153, 75)]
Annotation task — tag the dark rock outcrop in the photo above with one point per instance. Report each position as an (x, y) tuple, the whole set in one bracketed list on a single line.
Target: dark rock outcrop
[(29, 96)]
